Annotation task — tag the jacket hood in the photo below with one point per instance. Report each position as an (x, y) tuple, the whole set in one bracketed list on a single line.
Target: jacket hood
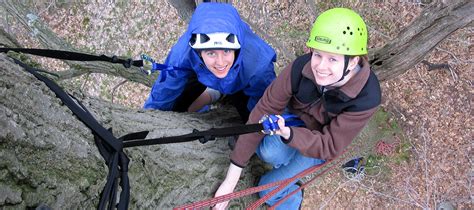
[(216, 17), (253, 58)]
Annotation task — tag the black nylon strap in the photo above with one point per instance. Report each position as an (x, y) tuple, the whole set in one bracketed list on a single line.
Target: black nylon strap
[(75, 56), (207, 134), (111, 149), (83, 116)]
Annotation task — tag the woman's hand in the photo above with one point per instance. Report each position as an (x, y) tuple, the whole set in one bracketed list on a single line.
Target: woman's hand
[(230, 181), (224, 189), (284, 131)]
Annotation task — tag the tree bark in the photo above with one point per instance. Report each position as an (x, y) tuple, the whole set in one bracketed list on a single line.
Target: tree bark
[(418, 39), (48, 156)]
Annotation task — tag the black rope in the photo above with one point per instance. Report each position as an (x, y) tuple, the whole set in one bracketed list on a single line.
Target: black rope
[(202, 136), (75, 56), (109, 147)]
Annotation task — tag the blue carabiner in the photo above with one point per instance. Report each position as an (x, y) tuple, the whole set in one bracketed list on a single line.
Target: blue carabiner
[(148, 64), (270, 122), (151, 66)]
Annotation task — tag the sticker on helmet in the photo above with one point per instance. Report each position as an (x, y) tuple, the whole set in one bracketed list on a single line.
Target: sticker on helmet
[(322, 39)]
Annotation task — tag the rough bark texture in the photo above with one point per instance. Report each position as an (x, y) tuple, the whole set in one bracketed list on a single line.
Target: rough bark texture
[(413, 43), (48, 156)]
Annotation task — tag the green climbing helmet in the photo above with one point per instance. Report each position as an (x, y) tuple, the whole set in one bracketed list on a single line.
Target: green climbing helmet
[(339, 30)]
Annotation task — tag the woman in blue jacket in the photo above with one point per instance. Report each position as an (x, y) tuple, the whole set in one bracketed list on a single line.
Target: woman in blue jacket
[(223, 56)]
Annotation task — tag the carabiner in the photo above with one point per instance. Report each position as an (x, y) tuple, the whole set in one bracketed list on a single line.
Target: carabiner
[(270, 124), (148, 64)]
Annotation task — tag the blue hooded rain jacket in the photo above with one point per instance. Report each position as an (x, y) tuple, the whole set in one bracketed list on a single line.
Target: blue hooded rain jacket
[(251, 72)]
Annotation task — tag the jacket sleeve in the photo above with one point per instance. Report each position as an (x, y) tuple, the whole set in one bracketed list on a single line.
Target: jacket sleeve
[(163, 94), (333, 139), (274, 101)]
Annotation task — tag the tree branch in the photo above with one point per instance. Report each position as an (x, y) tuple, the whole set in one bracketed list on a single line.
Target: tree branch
[(413, 43), (49, 40)]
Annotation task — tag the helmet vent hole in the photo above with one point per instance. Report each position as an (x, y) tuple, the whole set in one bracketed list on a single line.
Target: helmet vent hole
[(343, 32), (350, 33), (343, 44), (348, 28), (347, 49), (231, 38), (362, 49), (358, 29), (361, 34), (204, 38), (337, 47), (192, 41)]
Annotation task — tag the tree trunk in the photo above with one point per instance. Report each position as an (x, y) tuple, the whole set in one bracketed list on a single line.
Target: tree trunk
[(52, 159), (49, 157)]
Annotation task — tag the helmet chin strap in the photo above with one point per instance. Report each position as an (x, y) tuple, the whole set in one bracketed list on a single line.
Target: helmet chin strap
[(345, 70), (346, 64)]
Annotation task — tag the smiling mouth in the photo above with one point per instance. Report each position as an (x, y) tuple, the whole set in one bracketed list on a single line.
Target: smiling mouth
[(323, 74), (221, 68)]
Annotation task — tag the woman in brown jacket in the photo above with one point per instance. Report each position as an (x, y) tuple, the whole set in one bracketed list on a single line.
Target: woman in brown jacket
[(332, 90)]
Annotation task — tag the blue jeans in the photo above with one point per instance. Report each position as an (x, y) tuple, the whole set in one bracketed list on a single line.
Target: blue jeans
[(287, 162)]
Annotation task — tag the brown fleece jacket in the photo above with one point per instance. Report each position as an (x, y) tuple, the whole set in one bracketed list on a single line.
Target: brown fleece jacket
[(317, 139)]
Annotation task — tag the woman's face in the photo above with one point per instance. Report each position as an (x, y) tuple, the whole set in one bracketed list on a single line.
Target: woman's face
[(328, 67), (218, 62)]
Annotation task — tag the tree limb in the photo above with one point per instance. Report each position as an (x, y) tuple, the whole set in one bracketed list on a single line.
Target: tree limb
[(418, 39), (49, 40)]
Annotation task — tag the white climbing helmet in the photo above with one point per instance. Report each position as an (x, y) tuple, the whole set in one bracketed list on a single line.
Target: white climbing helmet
[(214, 41)]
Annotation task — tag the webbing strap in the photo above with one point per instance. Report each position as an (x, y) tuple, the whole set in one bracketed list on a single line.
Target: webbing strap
[(111, 149), (75, 56), (117, 163), (80, 112), (211, 134), (203, 136)]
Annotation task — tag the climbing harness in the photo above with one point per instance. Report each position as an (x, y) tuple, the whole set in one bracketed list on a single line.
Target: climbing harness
[(110, 147)]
